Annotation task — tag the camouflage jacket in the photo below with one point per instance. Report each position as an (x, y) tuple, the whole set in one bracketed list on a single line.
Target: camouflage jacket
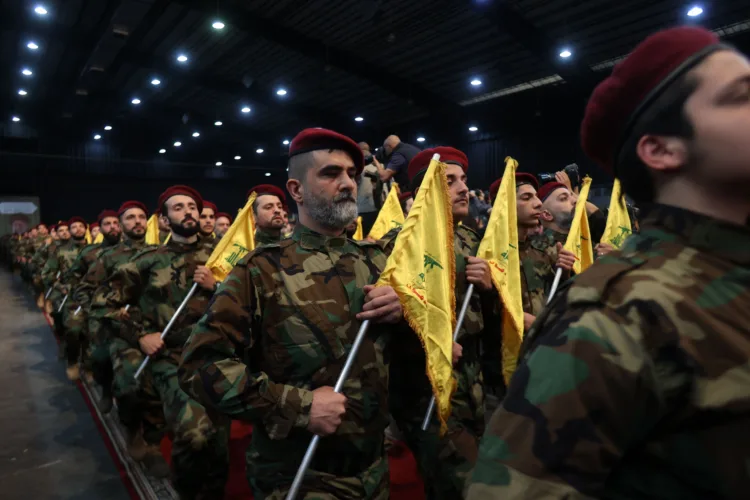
[(281, 326), (85, 260), (634, 381), (209, 240), (538, 267), (60, 260), (265, 238), (40, 259), (94, 286), (163, 236), (156, 281)]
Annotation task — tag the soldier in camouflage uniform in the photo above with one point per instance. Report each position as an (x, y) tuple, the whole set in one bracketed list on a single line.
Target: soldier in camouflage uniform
[(156, 281), (273, 342), (74, 319), (634, 381), (446, 462), (207, 223), (268, 211)]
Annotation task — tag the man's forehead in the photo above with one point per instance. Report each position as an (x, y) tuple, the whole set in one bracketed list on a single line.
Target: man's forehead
[(325, 158), (526, 189), (721, 69), (454, 170), (208, 211), (133, 211), (268, 198), (181, 198)]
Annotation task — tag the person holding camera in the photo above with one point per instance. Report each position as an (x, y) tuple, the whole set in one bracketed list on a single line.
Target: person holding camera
[(398, 154)]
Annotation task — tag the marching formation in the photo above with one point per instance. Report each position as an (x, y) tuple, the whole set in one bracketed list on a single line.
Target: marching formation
[(621, 361)]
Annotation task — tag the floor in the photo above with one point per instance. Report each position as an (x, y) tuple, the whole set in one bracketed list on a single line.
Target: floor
[(50, 447)]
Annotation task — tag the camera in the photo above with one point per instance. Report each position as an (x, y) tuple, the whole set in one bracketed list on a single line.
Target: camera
[(571, 170)]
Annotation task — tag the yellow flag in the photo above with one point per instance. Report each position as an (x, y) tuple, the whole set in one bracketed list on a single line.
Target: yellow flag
[(579, 237), (422, 271), (88, 236), (152, 230), (238, 241), (99, 238), (390, 215), (618, 221), (499, 248), (358, 233)]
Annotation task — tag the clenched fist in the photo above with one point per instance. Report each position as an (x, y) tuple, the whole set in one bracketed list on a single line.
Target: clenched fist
[(326, 411), (565, 258), (381, 305)]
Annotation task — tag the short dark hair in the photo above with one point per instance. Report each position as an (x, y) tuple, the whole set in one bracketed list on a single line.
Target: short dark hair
[(665, 117), (164, 210)]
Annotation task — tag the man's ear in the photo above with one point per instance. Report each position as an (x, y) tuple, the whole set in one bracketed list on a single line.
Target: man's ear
[(664, 154), (295, 190), (547, 216)]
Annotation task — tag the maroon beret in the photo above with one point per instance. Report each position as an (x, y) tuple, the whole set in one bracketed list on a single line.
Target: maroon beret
[(62, 223), (104, 215), (618, 102), (184, 190), (224, 214), (548, 188), (131, 204), (405, 196), (521, 178), (208, 204), (268, 189), (315, 139), (53, 227), (76, 219), (93, 225), (421, 161)]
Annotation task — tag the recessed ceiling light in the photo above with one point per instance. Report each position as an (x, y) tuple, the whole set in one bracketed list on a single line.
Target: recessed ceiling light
[(246, 109), (473, 129), (359, 119), (259, 150), (238, 157), (286, 142), (162, 151), (39, 9), (182, 58), (420, 139), (218, 25), (196, 134), (97, 137), (218, 123), (32, 45), (22, 92), (218, 164), (281, 92), (26, 72), (136, 101), (16, 119), (108, 127), (695, 11), (155, 82), (268, 174), (476, 82), (177, 144), (565, 53)]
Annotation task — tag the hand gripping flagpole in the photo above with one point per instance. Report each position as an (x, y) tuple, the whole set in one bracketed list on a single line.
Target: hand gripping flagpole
[(461, 315), (555, 284), (292, 494), (168, 327)]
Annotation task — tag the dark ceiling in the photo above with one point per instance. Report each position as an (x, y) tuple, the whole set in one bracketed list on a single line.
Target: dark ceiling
[(404, 66)]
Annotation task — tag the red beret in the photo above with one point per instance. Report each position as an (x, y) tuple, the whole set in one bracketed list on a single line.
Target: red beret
[(208, 204), (618, 102), (405, 196), (224, 214), (131, 204), (93, 225), (53, 227), (104, 215), (76, 219), (521, 178), (315, 139), (184, 190), (548, 188), (268, 189), (62, 223), (421, 161)]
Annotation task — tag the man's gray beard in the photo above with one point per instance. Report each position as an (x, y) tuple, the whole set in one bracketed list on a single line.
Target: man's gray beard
[(333, 214), (565, 220)]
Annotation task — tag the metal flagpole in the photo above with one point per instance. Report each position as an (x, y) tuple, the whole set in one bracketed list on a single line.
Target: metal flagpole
[(292, 494), (555, 284), (168, 327), (65, 299), (77, 311), (53, 286), (461, 315)]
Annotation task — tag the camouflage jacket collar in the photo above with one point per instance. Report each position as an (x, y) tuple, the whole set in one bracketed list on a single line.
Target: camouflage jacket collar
[(263, 237), (137, 244), (723, 239), (310, 240), (183, 247)]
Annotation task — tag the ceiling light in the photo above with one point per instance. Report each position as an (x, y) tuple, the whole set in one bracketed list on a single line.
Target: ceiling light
[(238, 157), (245, 109), (259, 150), (281, 92), (473, 128), (155, 82), (218, 25), (420, 139), (359, 119), (566, 53), (268, 174), (26, 72), (177, 144), (476, 82), (286, 142), (16, 119), (97, 137), (162, 151), (218, 164), (39, 9), (695, 11), (135, 100), (22, 92), (196, 134), (218, 123), (32, 45), (182, 58), (108, 127)]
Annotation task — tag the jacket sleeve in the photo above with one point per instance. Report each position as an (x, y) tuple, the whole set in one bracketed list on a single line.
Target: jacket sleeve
[(119, 290)]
